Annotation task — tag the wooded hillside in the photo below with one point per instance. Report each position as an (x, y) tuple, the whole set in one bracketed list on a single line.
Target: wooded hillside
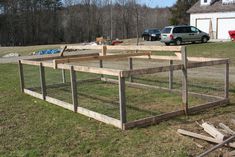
[(29, 22)]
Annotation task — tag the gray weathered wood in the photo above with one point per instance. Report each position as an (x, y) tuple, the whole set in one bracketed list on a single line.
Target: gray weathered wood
[(122, 99), (101, 66), (226, 81), (202, 137), (74, 88), (21, 74), (171, 75), (217, 146), (86, 112), (130, 61), (63, 76), (185, 79), (42, 81)]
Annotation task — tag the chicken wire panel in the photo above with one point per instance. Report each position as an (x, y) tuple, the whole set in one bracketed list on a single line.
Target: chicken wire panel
[(146, 102), (207, 80), (60, 88), (99, 96), (32, 77)]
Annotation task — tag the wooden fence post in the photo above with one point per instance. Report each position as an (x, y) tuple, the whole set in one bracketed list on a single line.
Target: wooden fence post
[(122, 99), (21, 74), (104, 50), (74, 88), (226, 81), (130, 60), (184, 79), (42, 81), (171, 76), (101, 66), (63, 76)]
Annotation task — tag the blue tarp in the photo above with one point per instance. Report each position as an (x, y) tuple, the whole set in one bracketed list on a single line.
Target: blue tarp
[(50, 51)]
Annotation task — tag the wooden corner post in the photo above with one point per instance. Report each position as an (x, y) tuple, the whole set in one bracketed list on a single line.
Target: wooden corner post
[(122, 100), (130, 60), (42, 81), (21, 74), (226, 81), (171, 75), (74, 88), (184, 79)]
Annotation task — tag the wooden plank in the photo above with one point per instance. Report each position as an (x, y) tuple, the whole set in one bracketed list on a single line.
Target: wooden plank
[(84, 47), (211, 130), (95, 70), (128, 48), (100, 117), (130, 61), (145, 48), (226, 81), (122, 99), (171, 75), (60, 103), (208, 105), (176, 58), (42, 81), (227, 129), (107, 57), (21, 75), (128, 73), (74, 88), (202, 137), (30, 62), (184, 79), (233, 121), (217, 146), (152, 120), (32, 93), (207, 63)]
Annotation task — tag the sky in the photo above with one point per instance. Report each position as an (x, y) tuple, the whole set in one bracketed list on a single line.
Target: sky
[(159, 3)]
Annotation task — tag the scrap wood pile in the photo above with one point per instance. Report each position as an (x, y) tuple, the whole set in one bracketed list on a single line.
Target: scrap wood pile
[(222, 136)]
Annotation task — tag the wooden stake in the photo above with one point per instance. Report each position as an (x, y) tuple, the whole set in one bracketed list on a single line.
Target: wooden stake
[(42, 81), (104, 50), (101, 66), (74, 88), (63, 76), (122, 99), (226, 81), (21, 74), (130, 60), (184, 79), (171, 75)]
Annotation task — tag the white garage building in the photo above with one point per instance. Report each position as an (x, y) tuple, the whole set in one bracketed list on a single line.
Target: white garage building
[(215, 17)]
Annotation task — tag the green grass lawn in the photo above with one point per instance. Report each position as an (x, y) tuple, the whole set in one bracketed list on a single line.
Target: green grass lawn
[(32, 127)]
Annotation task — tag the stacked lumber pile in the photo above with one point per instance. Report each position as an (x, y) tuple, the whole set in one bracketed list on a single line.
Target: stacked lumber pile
[(224, 136)]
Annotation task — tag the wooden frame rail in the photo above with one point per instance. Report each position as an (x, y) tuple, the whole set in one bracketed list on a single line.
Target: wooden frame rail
[(67, 63)]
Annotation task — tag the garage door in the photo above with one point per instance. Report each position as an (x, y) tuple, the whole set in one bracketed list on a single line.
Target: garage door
[(203, 24), (225, 25)]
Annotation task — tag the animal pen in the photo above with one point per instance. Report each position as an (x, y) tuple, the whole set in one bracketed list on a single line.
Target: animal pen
[(84, 76)]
